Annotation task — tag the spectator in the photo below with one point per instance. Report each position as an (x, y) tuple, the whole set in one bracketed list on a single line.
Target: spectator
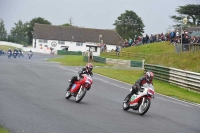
[(102, 47), (143, 40), (117, 50), (125, 43), (105, 48), (193, 40), (147, 38), (177, 33), (197, 39), (130, 42), (172, 35)]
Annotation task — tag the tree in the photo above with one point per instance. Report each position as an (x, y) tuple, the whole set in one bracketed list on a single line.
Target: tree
[(19, 33), (191, 12), (66, 24), (31, 24), (129, 25), (70, 22), (3, 32)]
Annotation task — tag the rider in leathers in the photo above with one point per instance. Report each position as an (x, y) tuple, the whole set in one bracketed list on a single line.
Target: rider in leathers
[(140, 82), (87, 70), (9, 50)]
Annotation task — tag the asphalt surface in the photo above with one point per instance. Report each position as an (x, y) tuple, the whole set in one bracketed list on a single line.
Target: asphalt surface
[(32, 100)]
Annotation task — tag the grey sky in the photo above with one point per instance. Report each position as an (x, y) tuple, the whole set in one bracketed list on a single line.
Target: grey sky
[(99, 14)]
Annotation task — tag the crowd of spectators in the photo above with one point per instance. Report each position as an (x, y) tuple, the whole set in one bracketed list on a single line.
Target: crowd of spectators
[(103, 47), (174, 37), (145, 40)]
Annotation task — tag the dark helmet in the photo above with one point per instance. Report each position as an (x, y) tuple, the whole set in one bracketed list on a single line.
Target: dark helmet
[(149, 76), (30, 50), (89, 67)]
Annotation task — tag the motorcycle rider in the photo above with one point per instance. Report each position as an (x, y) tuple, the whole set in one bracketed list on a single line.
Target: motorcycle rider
[(30, 53), (20, 51), (9, 50), (148, 78), (87, 70)]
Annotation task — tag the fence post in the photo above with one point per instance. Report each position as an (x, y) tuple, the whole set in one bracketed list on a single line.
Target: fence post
[(143, 64)]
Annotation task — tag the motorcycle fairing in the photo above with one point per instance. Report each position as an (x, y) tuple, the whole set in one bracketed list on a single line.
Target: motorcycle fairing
[(75, 87), (135, 101)]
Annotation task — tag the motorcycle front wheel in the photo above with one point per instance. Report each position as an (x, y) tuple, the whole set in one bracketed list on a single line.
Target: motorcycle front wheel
[(143, 108), (125, 105), (81, 93), (68, 94)]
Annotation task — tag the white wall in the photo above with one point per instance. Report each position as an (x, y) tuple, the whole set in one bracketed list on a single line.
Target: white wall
[(11, 44), (71, 46), (110, 47)]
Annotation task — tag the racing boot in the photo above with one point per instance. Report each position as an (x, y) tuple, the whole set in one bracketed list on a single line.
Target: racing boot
[(70, 85)]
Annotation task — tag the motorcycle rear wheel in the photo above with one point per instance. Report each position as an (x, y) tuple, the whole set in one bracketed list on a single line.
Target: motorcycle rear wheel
[(145, 107), (80, 95)]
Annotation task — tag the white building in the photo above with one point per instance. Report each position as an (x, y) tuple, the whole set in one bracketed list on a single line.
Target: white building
[(72, 38)]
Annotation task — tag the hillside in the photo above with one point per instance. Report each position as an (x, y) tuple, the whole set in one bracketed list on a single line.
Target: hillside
[(161, 53)]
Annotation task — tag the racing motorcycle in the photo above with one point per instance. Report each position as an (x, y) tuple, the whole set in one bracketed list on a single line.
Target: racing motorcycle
[(140, 101), (9, 54), (30, 55), (79, 88), (15, 54), (20, 54)]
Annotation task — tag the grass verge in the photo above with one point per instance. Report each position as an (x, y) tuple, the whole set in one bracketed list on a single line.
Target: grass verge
[(73, 60), (5, 48), (130, 76), (3, 130), (161, 53)]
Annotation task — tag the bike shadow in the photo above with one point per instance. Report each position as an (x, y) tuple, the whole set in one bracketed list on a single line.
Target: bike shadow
[(73, 101), (135, 113)]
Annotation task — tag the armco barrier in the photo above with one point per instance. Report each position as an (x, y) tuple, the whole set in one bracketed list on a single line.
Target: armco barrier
[(136, 64), (99, 59), (85, 58), (64, 52), (116, 62), (186, 79)]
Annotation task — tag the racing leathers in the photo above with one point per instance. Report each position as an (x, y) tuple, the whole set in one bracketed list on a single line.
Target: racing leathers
[(138, 84)]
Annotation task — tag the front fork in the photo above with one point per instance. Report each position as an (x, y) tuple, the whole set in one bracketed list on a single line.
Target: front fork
[(142, 101), (80, 90)]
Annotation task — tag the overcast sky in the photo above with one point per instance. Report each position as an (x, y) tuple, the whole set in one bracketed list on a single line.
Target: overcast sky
[(99, 14)]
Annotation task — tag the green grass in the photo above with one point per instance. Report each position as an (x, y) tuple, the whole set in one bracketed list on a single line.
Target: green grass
[(161, 53), (3, 130), (73, 60), (5, 48)]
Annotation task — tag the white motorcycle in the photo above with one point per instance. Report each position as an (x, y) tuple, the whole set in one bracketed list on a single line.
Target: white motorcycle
[(141, 101)]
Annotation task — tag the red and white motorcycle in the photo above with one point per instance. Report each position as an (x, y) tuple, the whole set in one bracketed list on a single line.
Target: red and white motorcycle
[(79, 88), (141, 101)]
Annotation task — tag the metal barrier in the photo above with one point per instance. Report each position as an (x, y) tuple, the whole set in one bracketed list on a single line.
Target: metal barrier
[(186, 79), (64, 52), (195, 47), (117, 62)]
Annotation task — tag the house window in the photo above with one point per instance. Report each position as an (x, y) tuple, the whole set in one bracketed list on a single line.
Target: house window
[(79, 44), (94, 49), (61, 42), (42, 41)]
